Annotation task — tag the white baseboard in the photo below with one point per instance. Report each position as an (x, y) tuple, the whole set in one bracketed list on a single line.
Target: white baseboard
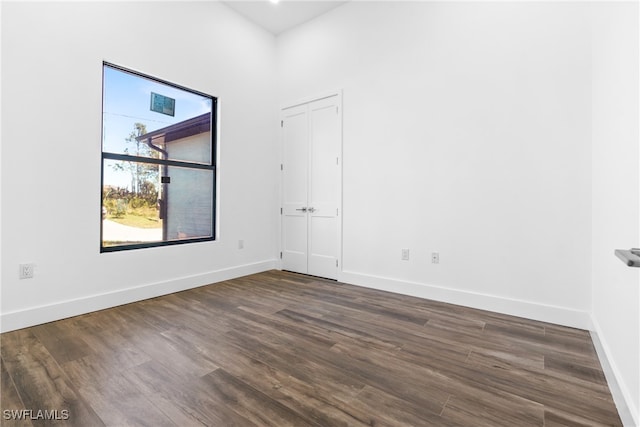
[(60, 310), (530, 310), (629, 413)]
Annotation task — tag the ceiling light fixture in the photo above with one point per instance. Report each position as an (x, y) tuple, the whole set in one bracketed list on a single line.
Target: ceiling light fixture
[(275, 1)]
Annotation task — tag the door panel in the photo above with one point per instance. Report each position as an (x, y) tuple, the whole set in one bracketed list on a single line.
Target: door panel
[(295, 173), (324, 189), (325, 151), (294, 242), (322, 246), (296, 152)]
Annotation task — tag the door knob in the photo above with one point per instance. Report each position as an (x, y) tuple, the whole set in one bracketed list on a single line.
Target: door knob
[(312, 210), (302, 209)]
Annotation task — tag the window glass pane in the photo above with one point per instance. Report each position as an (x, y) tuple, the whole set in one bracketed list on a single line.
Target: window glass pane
[(130, 212), (146, 118), (188, 201), (146, 203)]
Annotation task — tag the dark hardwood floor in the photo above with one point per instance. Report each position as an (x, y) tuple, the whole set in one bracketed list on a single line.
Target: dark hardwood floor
[(281, 349)]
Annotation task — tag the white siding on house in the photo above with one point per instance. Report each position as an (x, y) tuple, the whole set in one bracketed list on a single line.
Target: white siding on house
[(195, 148), (188, 196)]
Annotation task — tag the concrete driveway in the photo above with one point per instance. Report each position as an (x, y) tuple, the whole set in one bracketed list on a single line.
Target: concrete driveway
[(112, 231)]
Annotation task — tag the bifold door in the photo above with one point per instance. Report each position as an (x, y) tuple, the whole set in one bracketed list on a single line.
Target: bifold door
[(311, 187)]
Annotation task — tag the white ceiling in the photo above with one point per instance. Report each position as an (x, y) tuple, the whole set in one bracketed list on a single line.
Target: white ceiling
[(280, 17)]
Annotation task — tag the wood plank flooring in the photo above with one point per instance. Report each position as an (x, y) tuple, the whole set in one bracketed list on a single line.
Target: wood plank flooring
[(281, 349)]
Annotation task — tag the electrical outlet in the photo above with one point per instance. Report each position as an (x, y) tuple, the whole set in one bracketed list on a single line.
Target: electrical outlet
[(240, 244), (435, 258), (26, 271), (405, 255)]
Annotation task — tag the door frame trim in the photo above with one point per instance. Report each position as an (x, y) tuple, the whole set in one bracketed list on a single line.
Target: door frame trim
[(306, 100), (318, 97)]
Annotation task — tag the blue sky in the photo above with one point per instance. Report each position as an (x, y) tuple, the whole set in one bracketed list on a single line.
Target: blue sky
[(127, 100)]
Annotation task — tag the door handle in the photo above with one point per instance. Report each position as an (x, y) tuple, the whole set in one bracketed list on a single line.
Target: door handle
[(630, 257), (302, 209), (312, 210)]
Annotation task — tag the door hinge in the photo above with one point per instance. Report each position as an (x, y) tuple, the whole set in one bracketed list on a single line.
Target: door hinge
[(281, 123), (337, 211), (336, 263), (337, 108), (281, 167), (280, 255), (280, 211)]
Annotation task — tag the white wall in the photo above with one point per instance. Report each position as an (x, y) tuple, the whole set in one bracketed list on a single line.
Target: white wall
[(52, 57), (466, 132), (616, 192)]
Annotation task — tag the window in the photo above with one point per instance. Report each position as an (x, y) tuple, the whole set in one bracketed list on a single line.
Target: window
[(158, 162)]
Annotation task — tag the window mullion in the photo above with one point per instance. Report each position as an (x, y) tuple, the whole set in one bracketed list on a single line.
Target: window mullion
[(151, 160)]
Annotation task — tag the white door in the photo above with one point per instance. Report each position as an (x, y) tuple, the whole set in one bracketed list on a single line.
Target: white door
[(311, 182)]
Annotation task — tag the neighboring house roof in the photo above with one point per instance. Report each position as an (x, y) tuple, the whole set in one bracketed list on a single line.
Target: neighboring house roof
[(181, 130)]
